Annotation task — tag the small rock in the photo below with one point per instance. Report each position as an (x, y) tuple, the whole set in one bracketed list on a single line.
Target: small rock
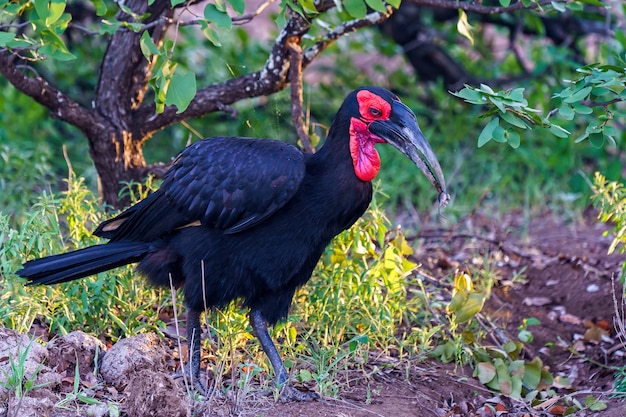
[(97, 410), (155, 394), (537, 301), (12, 346), (30, 407), (76, 347), (593, 288), (128, 356)]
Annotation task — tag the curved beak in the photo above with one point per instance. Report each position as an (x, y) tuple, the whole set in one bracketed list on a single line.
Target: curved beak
[(402, 132)]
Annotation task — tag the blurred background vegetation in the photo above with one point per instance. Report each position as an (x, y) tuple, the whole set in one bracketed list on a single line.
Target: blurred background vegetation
[(544, 173)]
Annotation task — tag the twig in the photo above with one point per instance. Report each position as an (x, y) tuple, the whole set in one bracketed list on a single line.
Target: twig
[(295, 80), (479, 8), (370, 19), (246, 18)]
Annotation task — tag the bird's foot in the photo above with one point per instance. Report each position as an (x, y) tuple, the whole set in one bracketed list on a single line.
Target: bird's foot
[(197, 384), (289, 393)]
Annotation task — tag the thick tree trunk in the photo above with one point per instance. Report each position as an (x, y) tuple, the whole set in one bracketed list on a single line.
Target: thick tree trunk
[(118, 158), (116, 148)]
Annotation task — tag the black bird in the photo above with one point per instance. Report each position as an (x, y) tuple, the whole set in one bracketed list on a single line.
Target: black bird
[(251, 217)]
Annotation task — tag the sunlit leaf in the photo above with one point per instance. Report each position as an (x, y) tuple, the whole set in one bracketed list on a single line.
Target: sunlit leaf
[(210, 33), (464, 27), (147, 45), (485, 371)]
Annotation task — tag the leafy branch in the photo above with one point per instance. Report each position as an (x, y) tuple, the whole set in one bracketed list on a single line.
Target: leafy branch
[(509, 112)]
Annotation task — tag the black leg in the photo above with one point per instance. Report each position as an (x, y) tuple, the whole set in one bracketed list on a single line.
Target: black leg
[(288, 393), (193, 342)]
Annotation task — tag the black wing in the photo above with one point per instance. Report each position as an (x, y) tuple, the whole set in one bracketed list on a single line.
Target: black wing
[(226, 183)]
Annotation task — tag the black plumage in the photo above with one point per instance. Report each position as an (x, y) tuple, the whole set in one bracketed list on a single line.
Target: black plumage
[(251, 216)]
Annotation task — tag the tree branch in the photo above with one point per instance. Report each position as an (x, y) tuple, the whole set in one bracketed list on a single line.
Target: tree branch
[(471, 6), (295, 80), (270, 79), (373, 18), (61, 106)]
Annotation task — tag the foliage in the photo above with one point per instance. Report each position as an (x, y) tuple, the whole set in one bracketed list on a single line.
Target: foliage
[(599, 93), (112, 303), (15, 378), (512, 114), (610, 197)]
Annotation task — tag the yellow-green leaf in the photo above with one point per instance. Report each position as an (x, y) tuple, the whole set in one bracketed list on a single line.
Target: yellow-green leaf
[(464, 27)]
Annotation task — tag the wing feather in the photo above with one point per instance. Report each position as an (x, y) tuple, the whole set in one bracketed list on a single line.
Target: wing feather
[(226, 183)]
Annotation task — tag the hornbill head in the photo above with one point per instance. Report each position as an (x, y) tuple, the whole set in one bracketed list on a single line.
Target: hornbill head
[(383, 118)]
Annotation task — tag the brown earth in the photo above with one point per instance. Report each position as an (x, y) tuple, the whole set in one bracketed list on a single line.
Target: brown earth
[(557, 273)]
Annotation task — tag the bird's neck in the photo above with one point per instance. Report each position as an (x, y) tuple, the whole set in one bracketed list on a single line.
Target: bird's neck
[(349, 147)]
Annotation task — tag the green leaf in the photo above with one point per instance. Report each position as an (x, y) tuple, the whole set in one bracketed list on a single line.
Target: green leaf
[(305, 376), (513, 139), (558, 6), (6, 37), (355, 8), (55, 47), (470, 95), (394, 3), (566, 112), (308, 6), (49, 11), (513, 120), (581, 137), (532, 373), (378, 5), (499, 134), (210, 33), (101, 7), (175, 3), (558, 131), (498, 103), (578, 95), (147, 45), (239, 6), (505, 3), (182, 89), (219, 18), (487, 134), (485, 371)]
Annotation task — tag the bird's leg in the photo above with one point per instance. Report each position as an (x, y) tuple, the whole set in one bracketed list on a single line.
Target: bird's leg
[(194, 332), (288, 392)]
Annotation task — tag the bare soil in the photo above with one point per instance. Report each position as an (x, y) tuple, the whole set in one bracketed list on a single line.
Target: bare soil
[(558, 273)]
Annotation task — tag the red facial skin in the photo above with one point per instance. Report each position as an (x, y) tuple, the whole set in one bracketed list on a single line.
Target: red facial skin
[(365, 158)]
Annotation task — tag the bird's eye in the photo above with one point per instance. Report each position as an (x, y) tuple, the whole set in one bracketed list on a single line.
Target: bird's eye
[(375, 112)]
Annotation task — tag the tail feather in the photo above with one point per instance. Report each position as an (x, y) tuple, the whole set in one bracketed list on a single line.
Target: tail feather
[(83, 262)]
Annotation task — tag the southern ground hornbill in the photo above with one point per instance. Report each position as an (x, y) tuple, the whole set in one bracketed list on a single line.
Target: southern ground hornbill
[(251, 217)]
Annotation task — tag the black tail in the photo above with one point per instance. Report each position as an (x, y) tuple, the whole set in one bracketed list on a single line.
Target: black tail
[(83, 262)]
